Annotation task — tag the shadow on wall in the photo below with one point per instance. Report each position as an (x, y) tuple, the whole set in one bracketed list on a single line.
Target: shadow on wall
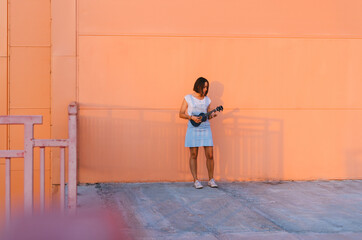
[(246, 148), (118, 143), (123, 144), (354, 164), (249, 148)]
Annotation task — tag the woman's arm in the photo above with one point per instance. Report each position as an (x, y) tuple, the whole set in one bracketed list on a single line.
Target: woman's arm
[(211, 115), (183, 114)]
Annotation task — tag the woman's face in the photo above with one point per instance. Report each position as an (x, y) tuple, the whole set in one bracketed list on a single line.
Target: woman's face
[(206, 85)]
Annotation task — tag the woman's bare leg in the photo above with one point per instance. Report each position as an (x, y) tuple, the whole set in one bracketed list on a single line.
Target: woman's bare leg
[(210, 161), (193, 161)]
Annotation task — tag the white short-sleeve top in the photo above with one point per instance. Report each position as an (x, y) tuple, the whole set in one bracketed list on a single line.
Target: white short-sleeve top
[(197, 106)]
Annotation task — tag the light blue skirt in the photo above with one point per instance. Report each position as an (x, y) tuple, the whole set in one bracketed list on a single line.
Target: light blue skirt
[(198, 136)]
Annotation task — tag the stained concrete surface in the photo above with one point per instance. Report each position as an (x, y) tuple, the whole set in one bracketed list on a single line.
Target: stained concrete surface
[(239, 210)]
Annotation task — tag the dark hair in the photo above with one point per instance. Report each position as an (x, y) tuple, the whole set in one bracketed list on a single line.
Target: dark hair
[(199, 85)]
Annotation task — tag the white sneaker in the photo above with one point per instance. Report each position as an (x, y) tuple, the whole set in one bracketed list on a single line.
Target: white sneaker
[(212, 183), (197, 184)]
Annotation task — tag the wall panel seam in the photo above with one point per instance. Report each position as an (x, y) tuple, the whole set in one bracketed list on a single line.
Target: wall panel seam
[(16, 108), (215, 36), (8, 73), (29, 46)]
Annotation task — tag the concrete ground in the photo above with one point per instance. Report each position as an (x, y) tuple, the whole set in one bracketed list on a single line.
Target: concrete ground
[(239, 210)]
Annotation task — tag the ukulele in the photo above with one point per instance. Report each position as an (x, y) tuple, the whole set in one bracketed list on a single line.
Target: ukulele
[(204, 116)]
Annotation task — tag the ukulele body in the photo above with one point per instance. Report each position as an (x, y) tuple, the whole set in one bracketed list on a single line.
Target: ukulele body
[(204, 116), (203, 119)]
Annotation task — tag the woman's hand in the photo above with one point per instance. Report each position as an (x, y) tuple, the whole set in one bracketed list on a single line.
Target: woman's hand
[(196, 119), (213, 115)]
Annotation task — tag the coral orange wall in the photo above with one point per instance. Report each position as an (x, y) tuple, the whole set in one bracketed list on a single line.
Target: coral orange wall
[(3, 94), (287, 73), (64, 72), (24, 85)]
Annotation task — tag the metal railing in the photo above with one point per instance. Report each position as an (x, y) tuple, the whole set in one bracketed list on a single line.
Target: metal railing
[(29, 144)]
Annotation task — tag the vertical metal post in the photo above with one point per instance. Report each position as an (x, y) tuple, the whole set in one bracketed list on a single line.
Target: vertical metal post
[(62, 177), (42, 179), (28, 168), (7, 190), (72, 159)]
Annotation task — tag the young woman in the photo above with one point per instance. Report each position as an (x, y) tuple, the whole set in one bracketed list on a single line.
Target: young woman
[(201, 136)]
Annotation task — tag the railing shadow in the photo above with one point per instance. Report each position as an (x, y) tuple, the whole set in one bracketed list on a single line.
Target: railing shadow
[(353, 164), (249, 148), (118, 144)]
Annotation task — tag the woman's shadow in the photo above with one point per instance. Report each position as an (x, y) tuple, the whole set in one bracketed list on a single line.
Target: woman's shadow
[(245, 147)]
